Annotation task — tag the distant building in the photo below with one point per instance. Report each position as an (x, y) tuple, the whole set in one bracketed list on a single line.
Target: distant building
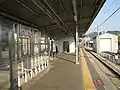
[(105, 42), (66, 44)]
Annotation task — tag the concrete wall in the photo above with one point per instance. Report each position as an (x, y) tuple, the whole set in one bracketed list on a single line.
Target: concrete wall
[(114, 43), (71, 44)]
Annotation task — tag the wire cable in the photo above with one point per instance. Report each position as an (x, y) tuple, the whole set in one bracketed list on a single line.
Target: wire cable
[(107, 18), (109, 6), (107, 9)]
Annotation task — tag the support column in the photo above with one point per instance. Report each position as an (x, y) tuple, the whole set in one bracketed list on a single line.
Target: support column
[(88, 44), (45, 60), (22, 55), (0, 43), (18, 26), (49, 50), (39, 51), (98, 40), (27, 53), (32, 51), (85, 42), (77, 45), (0, 52), (13, 61)]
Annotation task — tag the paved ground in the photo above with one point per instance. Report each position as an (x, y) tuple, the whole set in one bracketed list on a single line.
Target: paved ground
[(102, 73), (65, 75), (4, 80), (93, 72)]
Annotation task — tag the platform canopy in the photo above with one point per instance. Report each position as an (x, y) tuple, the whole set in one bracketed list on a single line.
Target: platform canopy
[(55, 17)]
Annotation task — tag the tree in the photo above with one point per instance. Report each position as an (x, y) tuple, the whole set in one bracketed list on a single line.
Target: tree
[(118, 38)]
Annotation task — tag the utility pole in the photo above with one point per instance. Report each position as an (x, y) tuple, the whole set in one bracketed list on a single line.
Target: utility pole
[(97, 39)]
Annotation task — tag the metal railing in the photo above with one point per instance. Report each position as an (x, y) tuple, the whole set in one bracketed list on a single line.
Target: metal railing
[(28, 53), (113, 57)]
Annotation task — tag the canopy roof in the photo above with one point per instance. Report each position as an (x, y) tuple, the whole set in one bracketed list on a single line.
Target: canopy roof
[(55, 17)]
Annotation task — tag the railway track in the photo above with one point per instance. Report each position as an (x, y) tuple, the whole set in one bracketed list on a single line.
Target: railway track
[(112, 73)]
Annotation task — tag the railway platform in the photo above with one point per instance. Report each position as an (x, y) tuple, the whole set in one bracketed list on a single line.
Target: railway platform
[(64, 74), (31, 31)]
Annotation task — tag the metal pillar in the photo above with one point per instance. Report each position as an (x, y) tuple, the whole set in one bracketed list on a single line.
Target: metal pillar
[(18, 26), (18, 48), (77, 45), (97, 40), (1, 53), (88, 44), (13, 61), (85, 42), (22, 53), (45, 61), (49, 51), (40, 43), (39, 51), (0, 43), (32, 52), (51, 48), (10, 58), (27, 53)]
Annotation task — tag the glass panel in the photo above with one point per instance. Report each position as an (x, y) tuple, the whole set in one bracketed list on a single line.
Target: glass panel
[(4, 58)]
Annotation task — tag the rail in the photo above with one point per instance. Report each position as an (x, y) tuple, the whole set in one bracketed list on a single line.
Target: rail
[(113, 57), (113, 67)]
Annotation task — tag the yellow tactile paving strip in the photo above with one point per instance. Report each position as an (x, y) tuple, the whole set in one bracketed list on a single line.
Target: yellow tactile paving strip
[(87, 79)]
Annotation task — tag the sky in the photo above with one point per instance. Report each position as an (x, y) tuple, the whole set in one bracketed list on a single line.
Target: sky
[(110, 25)]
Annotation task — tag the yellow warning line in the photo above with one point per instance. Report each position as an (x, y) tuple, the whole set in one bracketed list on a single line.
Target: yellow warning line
[(87, 79)]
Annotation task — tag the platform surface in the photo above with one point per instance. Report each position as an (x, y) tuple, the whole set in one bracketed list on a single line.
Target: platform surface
[(66, 75)]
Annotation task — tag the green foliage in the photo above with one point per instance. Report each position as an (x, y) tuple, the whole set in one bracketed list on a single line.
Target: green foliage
[(117, 34), (118, 38)]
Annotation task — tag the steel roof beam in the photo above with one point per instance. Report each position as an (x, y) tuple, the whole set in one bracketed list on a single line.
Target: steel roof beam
[(50, 14), (60, 20), (62, 6)]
